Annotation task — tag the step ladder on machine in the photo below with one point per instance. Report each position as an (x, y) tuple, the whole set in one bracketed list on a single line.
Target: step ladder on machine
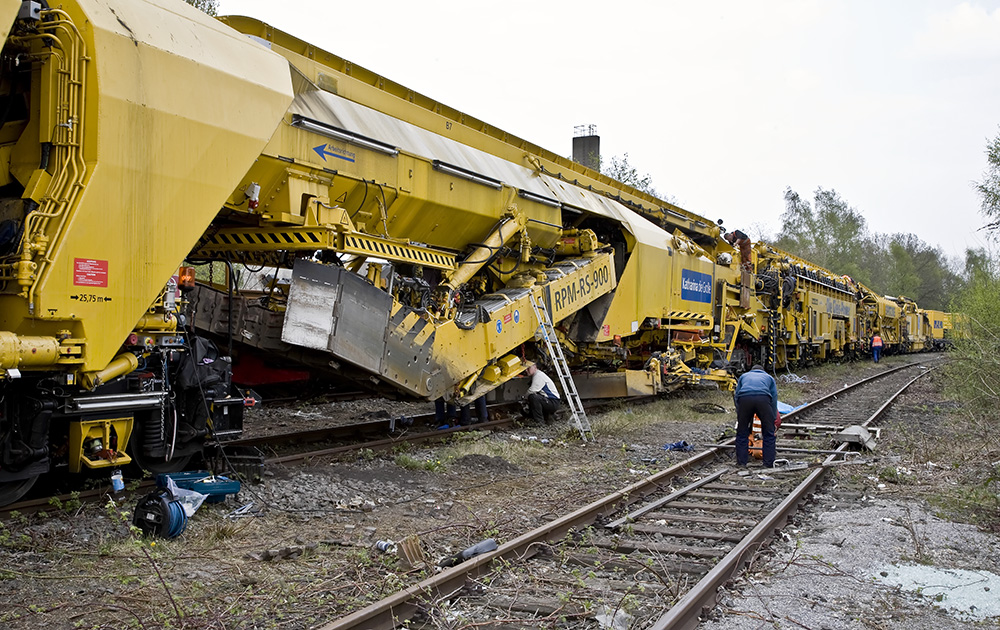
[(578, 415)]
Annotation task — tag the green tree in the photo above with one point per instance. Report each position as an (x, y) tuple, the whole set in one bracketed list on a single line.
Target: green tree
[(834, 235), (903, 277), (920, 271), (989, 188), (876, 260), (210, 7), (974, 372), (978, 262), (623, 171), (798, 226), (974, 379), (828, 232)]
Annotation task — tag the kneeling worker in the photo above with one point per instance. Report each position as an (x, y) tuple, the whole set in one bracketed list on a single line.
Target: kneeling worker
[(756, 394), (543, 397)]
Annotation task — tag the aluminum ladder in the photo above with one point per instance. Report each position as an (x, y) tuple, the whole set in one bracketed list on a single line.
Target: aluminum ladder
[(578, 415)]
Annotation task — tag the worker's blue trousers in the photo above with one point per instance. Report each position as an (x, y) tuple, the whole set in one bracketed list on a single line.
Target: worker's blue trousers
[(747, 407)]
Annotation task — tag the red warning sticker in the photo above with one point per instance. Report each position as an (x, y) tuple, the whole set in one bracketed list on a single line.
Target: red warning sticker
[(88, 272)]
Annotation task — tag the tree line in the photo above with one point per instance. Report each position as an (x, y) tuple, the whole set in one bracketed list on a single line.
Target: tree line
[(831, 233), (835, 235)]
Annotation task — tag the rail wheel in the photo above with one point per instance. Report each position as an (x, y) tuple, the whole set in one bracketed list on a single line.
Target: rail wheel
[(11, 491), (148, 449), (158, 465)]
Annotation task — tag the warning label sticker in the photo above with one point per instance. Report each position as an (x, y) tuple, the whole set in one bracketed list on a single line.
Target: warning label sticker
[(88, 272)]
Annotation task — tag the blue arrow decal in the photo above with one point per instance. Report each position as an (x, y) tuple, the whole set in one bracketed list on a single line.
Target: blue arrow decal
[(324, 150)]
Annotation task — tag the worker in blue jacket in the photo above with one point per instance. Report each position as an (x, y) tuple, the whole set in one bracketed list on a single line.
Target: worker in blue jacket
[(756, 394)]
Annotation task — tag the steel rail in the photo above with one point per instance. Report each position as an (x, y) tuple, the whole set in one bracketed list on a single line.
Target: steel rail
[(686, 613), (42, 503), (417, 438), (343, 431), (353, 430), (874, 377), (382, 615), (38, 504)]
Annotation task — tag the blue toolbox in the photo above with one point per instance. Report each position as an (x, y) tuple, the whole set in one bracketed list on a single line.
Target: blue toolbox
[(215, 486)]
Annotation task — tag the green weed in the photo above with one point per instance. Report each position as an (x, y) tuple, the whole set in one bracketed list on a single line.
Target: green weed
[(412, 463)]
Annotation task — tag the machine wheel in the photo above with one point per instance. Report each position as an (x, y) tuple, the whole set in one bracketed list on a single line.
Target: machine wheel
[(11, 491), (154, 464), (158, 465)]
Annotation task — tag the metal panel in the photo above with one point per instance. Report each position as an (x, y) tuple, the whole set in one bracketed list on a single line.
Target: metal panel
[(340, 112), (336, 311), (585, 280), (408, 363), (362, 315), (314, 293), (192, 154), (592, 385)]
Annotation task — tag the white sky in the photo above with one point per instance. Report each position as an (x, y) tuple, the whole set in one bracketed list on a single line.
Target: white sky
[(724, 103)]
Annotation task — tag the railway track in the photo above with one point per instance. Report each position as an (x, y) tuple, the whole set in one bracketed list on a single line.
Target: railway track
[(294, 447), (300, 446), (369, 434), (284, 449), (652, 554)]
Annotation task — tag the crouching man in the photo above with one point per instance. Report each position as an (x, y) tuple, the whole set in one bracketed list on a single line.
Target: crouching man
[(543, 397)]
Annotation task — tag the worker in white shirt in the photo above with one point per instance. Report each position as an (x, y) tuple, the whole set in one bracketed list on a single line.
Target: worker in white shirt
[(543, 397)]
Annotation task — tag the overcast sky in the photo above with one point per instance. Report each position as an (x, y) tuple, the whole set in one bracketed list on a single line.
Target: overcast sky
[(724, 103)]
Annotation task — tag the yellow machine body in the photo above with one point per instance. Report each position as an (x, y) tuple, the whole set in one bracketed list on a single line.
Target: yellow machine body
[(886, 318), (304, 151), (806, 312), (363, 229), (934, 325)]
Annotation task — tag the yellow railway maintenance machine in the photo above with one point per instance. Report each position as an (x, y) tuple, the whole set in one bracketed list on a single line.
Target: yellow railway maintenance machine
[(392, 239), (804, 313), (935, 325), (416, 236)]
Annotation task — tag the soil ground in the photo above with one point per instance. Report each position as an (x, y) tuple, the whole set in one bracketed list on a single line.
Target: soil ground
[(304, 551)]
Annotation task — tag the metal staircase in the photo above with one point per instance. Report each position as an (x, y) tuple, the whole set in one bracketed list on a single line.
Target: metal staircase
[(578, 415)]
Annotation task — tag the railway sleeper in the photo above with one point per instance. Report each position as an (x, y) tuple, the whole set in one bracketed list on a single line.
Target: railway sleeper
[(628, 545), (664, 567)]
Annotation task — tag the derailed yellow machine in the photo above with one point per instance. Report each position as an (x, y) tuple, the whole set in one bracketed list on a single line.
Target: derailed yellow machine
[(168, 180), (418, 238), (409, 244)]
